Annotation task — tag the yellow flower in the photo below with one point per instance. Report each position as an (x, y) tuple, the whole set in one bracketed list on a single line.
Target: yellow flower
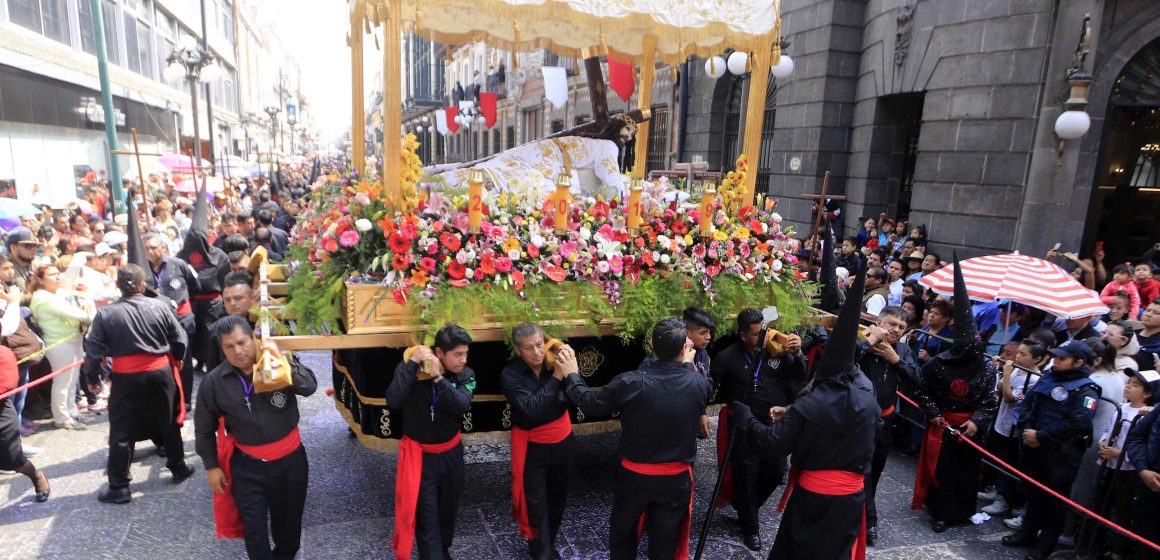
[(512, 244), (720, 235), (741, 233)]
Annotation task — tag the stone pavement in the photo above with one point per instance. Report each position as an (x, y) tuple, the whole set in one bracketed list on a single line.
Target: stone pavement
[(350, 510)]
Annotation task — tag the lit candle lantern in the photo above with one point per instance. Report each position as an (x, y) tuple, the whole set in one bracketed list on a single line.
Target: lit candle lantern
[(563, 197), (633, 217), (708, 206), (475, 200)]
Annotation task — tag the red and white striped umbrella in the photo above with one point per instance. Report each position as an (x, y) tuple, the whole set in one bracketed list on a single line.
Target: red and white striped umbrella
[(1022, 279)]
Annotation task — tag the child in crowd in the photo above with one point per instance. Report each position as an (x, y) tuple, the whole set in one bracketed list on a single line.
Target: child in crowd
[(1146, 284), (1122, 282), (1116, 472), (1015, 382)]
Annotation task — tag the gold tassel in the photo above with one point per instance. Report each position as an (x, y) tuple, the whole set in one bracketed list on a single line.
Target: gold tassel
[(516, 45)]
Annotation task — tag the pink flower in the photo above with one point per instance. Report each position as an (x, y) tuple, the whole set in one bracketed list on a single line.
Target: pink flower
[(503, 264), (567, 248), (605, 232), (349, 238), (616, 264)]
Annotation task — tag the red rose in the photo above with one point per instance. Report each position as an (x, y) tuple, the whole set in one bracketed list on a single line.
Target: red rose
[(450, 241), (680, 228), (398, 243), (328, 245), (503, 264), (713, 269), (533, 251), (456, 270), (427, 263)]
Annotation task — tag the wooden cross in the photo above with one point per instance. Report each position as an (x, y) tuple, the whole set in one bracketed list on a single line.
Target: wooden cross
[(820, 200), (140, 174)]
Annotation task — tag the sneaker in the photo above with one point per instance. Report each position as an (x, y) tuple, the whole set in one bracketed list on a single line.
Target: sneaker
[(990, 494), (82, 406), (101, 406), (104, 394), (1014, 522), (70, 425), (30, 451), (998, 507)]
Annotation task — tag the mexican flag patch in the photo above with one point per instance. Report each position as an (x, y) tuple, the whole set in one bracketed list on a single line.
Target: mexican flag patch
[(1089, 403)]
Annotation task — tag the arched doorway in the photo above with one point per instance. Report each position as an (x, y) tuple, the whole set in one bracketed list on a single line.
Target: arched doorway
[(1126, 200)]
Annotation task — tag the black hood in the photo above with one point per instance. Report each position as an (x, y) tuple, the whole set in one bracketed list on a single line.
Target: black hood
[(134, 247), (201, 210), (831, 296), (968, 344), (838, 356)]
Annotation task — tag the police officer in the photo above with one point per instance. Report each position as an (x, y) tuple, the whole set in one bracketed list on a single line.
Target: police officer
[(1143, 449), (1055, 420), (174, 279), (888, 363)]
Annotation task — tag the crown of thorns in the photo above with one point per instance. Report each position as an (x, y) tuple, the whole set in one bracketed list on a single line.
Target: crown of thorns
[(627, 121)]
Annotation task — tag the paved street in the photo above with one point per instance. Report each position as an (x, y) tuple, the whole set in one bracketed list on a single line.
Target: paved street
[(350, 509)]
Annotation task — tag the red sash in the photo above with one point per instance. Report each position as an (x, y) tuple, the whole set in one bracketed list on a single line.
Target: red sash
[(407, 478), (830, 483), (889, 410), (207, 297), (140, 363), (227, 519), (184, 308), (666, 469), (552, 432), (928, 456), (726, 495)]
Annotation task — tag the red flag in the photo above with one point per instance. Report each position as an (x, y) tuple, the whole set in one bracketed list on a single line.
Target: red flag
[(487, 107), (621, 78), (451, 114)]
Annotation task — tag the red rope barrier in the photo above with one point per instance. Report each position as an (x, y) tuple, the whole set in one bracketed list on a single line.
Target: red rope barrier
[(31, 384), (1040, 485)]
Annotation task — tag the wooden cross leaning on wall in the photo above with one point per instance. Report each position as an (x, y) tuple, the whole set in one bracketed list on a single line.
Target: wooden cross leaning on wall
[(136, 152)]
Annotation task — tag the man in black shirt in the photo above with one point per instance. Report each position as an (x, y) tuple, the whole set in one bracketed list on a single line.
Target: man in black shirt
[(430, 466), (259, 465), (660, 409), (174, 279), (541, 441), (744, 373), (830, 433), (238, 297), (889, 364), (143, 338)]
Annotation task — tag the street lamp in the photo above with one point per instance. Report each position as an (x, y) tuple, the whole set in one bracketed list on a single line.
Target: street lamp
[(291, 120), (1074, 122), (195, 65), (273, 111)]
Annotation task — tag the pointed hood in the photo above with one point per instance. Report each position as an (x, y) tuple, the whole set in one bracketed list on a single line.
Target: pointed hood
[(838, 356), (831, 296), (201, 210), (315, 170), (135, 247), (966, 331)]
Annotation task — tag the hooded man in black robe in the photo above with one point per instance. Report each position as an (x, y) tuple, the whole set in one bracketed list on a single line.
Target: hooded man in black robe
[(957, 389), (830, 293), (211, 265), (829, 431)]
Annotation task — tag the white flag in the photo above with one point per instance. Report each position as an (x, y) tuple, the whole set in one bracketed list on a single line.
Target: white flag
[(441, 122), (556, 85)]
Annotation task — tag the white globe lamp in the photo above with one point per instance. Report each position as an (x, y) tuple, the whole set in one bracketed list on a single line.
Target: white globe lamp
[(738, 61), (715, 67), (1072, 125), (784, 67)]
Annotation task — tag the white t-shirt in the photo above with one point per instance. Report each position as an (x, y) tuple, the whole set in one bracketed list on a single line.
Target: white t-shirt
[(1111, 388), (875, 304), (895, 292), (1005, 419), (1127, 414)]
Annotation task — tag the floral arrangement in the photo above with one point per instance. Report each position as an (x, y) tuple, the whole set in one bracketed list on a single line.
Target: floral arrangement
[(427, 256), (732, 189)]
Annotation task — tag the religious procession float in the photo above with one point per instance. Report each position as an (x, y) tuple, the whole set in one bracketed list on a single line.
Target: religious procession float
[(552, 232)]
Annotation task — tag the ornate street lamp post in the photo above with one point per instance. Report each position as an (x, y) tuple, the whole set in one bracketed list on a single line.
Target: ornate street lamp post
[(195, 65)]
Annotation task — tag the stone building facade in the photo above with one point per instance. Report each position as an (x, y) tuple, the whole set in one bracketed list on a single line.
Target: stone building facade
[(940, 112)]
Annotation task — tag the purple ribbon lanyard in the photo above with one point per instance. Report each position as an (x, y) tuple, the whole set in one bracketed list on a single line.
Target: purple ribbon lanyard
[(434, 401), (249, 389), (757, 370)]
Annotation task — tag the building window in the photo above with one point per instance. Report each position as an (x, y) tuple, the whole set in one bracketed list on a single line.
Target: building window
[(47, 17), (658, 138), (112, 35), (511, 137), (533, 124), (166, 41), (557, 126), (88, 37), (496, 140)]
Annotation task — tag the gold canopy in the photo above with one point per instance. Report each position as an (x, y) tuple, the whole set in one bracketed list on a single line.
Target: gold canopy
[(668, 31)]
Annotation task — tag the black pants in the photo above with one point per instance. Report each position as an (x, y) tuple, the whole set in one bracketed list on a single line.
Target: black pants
[(439, 492), (1056, 468), (755, 477), (206, 312), (142, 406), (882, 445), (1007, 448), (274, 490), (189, 324), (1145, 513), (546, 472), (665, 500)]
